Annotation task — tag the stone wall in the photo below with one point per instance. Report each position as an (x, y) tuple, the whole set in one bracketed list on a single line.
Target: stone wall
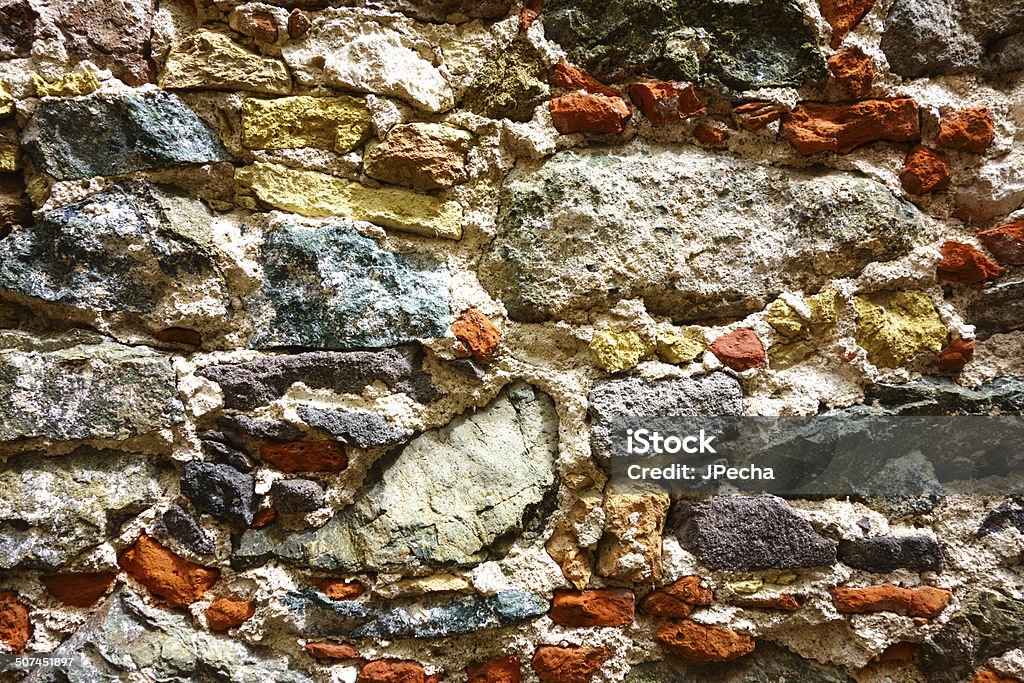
[(307, 307)]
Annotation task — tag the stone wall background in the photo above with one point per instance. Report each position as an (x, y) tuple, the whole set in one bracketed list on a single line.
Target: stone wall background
[(308, 309)]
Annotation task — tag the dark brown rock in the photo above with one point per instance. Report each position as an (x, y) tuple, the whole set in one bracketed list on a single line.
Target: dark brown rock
[(1006, 243), (113, 35)]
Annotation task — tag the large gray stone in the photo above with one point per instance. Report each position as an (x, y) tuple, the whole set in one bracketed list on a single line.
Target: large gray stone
[(935, 396), (220, 491), (255, 383), (999, 308), (889, 553), (751, 533), (130, 249), (54, 509), (332, 288), (130, 640), (941, 37), (103, 136), (362, 430), (449, 495), (82, 386), (695, 236)]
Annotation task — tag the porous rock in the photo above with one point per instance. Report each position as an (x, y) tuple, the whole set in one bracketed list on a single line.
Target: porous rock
[(220, 491), (212, 60), (889, 553)]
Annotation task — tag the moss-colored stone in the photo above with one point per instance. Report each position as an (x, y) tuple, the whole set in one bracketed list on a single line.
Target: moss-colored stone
[(682, 347), (9, 159), (79, 82), (824, 307), (510, 85), (319, 195), (617, 351), (6, 100), (783, 356), (893, 327), (784, 319), (334, 123)]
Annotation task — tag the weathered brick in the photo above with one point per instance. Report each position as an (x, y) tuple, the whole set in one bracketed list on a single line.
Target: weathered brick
[(815, 127), (568, 664), (173, 578), (699, 643), (583, 112), (964, 263), (79, 589), (969, 130), (225, 613), (666, 101), (609, 607), (678, 598), (924, 602)]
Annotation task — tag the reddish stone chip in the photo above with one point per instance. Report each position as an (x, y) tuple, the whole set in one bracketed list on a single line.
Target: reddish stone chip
[(854, 70), (298, 24), (963, 263), (574, 78), (843, 16), (610, 607), (476, 331), (173, 578), (986, 676), (499, 670), (815, 127), (179, 335), (754, 116), (970, 130), (306, 456), (263, 517), (327, 650), (531, 10), (1005, 242), (225, 613), (15, 625), (784, 602), (699, 643), (925, 170), (957, 355), (568, 664), (710, 135), (740, 350), (393, 671), (79, 589), (926, 602), (582, 112), (678, 598), (666, 101), (340, 589)]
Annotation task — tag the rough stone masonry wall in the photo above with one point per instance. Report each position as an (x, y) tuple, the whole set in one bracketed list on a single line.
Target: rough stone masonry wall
[(307, 310)]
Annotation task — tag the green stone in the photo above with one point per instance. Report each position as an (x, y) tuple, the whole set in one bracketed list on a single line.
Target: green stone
[(510, 84)]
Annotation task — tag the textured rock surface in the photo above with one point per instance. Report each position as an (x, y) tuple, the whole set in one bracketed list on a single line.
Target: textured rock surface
[(449, 495), (423, 156), (220, 491), (926, 602), (81, 386), (677, 268), (327, 288), (99, 136), (168, 576), (510, 84), (767, 663), (1000, 308), (334, 123), (362, 430), (699, 643), (894, 327), (889, 553), (212, 60), (52, 510), (842, 128), (113, 35)]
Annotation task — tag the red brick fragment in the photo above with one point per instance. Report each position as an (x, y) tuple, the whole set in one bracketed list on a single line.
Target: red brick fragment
[(79, 589), (666, 101), (393, 671), (956, 355), (340, 589), (173, 578), (816, 127), (754, 116), (784, 602), (179, 335), (609, 607), (740, 350), (843, 16), (499, 670), (925, 170), (263, 517), (854, 70), (264, 28), (476, 331), (298, 24), (678, 598), (573, 78), (970, 130), (582, 112), (568, 664), (225, 613), (531, 10), (15, 625), (926, 602), (986, 676), (965, 264), (699, 643), (1006, 243), (710, 135), (328, 650), (306, 456)]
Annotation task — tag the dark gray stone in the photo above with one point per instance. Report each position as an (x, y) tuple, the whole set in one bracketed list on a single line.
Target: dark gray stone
[(104, 136), (942, 37), (751, 533), (54, 509), (297, 495), (250, 385), (227, 454), (1010, 513), (739, 45), (220, 491), (424, 618), (177, 523), (130, 248), (769, 663), (935, 396), (332, 288), (888, 553), (683, 230), (987, 625), (82, 386), (362, 430), (469, 367), (999, 308), (260, 429)]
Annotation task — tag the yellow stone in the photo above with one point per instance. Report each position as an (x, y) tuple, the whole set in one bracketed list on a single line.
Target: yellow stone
[(6, 100), (682, 347), (319, 195), (71, 85), (893, 327), (335, 123), (617, 351), (782, 579), (212, 60), (784, 319), (824, 307), (747, 586), (782, 356), (9, 160)]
